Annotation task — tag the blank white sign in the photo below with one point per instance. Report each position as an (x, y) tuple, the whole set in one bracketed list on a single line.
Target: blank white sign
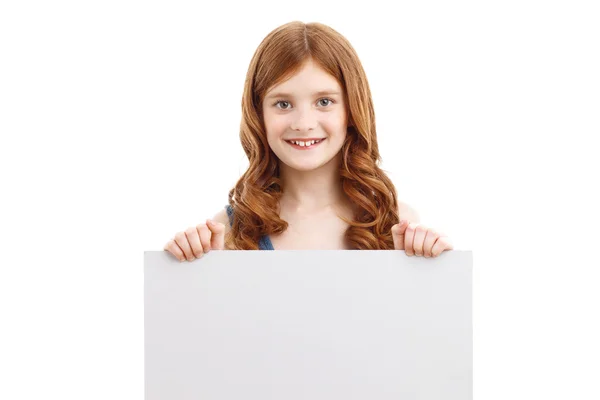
[(316, 324)]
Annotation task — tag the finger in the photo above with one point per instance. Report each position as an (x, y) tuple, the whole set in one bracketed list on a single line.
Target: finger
[(430, 239), (193, 240), (182, 242), (409, 237), (174, 249), (398, 234), (217, 229), (441, 244), (420, 232), (204, 233)]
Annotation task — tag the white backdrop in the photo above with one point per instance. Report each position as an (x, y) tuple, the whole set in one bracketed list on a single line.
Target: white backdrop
[(119, 124)]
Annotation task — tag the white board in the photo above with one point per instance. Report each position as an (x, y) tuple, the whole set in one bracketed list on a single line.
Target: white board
[(308, 325)]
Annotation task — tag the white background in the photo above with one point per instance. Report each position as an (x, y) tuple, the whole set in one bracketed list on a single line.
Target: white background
[(120, 124)]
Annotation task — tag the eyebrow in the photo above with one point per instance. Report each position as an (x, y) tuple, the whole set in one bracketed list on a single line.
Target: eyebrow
[(319, 93)]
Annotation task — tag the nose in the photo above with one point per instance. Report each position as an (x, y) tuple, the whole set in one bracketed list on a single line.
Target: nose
[(304, 120)]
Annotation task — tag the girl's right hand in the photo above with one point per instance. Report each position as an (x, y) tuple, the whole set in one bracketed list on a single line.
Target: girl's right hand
[(196, 241)]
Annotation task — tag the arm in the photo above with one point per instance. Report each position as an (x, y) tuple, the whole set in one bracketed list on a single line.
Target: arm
[(408, 213), (222, 217)]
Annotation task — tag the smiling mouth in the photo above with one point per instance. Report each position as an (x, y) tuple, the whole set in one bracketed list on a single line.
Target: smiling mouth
[(305, 145)]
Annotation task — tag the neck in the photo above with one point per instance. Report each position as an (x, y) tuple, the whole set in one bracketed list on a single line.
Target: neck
[(307, 191)]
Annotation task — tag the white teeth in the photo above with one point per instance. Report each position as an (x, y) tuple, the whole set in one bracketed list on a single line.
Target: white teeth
[(303, 144)]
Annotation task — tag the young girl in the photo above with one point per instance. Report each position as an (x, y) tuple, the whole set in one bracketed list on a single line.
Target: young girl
[(308, 130)]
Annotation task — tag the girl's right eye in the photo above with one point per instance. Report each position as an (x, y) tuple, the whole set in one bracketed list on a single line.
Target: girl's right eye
[(282, 102)]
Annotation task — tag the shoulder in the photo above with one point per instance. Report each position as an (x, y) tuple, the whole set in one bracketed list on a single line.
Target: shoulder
[(405, 211), (223, 218)]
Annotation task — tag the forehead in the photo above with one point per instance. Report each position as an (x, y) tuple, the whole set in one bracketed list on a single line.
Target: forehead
[(309, 80)]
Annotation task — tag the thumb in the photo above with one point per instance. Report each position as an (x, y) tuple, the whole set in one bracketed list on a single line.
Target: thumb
[(217, 239), (398, 231)]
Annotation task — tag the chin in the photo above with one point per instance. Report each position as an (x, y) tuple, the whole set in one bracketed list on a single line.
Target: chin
[(304, 166)]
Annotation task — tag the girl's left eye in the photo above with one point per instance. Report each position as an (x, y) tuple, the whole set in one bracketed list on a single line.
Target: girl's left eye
[(328, 100)]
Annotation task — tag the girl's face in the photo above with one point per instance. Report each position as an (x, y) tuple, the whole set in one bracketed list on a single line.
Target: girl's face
[(307, 107)]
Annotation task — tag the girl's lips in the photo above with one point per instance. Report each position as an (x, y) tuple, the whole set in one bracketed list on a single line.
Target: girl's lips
[(312, 146)]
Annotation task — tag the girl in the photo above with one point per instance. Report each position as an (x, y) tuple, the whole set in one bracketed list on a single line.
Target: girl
[(308, 130)]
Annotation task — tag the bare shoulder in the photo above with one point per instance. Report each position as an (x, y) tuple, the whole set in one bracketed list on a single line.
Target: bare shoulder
[(405, 211), (223, 218)]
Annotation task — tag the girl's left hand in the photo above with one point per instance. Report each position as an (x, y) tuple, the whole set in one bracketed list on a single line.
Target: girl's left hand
[(419, 240)]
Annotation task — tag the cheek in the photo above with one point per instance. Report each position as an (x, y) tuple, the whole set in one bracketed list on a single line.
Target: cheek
[(335, 124), (275, 125)]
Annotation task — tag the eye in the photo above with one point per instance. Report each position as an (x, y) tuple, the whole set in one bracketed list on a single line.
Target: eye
[(329, 101), (284, 103)]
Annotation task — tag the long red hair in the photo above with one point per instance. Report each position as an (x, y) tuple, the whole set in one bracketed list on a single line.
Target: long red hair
[(255, 196)]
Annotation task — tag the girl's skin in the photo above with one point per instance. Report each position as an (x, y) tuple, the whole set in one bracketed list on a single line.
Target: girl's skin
[(309, 105)]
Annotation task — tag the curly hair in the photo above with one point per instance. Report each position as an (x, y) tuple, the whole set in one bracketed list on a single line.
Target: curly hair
[(256, 195)]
